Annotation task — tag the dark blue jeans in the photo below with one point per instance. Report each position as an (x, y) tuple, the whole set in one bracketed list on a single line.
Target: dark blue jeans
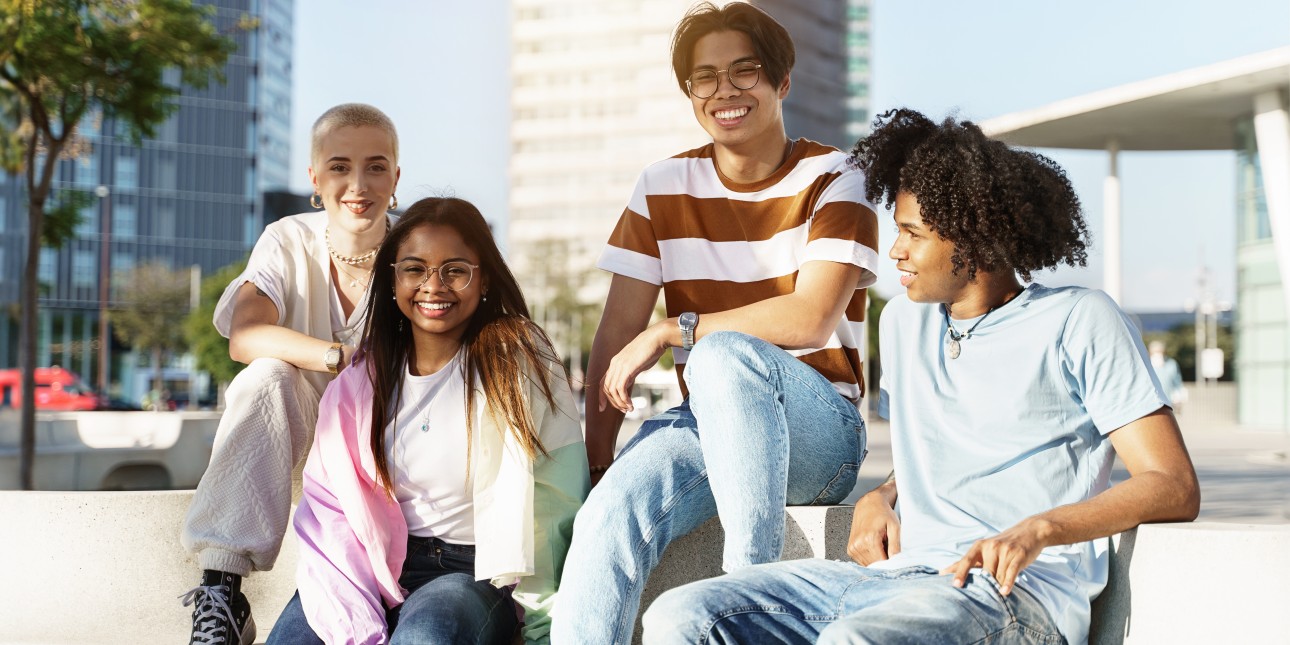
[(445, 603)]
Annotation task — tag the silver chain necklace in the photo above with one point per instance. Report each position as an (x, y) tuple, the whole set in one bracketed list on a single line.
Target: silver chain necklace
[(952, 336)]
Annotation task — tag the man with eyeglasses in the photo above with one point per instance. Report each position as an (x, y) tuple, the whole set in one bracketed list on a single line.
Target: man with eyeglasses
[(762, 247)]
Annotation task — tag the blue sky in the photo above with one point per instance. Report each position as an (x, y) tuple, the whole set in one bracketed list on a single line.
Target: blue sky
[(440, 69)]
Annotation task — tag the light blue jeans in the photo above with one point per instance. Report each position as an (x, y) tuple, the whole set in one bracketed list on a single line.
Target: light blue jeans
[(760, 430), (830, 603)]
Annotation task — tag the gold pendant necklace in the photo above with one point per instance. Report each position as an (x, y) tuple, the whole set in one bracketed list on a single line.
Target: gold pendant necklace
[(354, 281)]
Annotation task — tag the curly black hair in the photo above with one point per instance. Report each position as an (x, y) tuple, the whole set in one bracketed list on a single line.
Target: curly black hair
[(1002, 208)]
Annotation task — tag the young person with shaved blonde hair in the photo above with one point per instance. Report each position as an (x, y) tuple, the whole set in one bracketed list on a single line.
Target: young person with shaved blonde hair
[(293, 316), (762, 247)]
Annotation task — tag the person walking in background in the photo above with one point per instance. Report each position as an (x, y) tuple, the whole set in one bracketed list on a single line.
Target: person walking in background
[(762, 247), (448, 460), (293, 317), (1169, 374), (1008, 405)]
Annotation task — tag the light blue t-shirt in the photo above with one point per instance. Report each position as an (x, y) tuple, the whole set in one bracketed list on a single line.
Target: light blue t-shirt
[(1013, 427)]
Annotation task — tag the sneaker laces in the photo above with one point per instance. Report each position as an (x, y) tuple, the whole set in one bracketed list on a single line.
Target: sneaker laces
[(211, 612)]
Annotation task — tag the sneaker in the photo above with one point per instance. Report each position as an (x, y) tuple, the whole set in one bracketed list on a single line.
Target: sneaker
[(222, 613)]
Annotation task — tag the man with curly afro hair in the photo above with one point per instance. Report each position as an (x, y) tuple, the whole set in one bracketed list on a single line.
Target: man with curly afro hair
[(1008, 405)]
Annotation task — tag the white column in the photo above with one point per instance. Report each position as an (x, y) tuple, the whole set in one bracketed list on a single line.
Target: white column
[(1112, 273), (1272, 133)]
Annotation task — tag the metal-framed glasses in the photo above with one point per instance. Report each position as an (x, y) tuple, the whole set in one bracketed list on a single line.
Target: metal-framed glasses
[(411, 274), (704, 83)]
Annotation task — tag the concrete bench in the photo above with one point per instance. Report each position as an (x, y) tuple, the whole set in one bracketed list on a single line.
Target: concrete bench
[(95, 567)]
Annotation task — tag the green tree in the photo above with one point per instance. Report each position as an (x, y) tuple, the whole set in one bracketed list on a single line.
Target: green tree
[(152, 297), (873, 361), (205, 343), (59, 61)]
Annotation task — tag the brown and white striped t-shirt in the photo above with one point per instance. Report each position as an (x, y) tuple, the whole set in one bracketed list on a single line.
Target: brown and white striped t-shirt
[(715, 245)]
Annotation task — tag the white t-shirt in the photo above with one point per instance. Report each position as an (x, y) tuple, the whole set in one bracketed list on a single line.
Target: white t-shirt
[(267, 268), (1015, 426), (425, 445)]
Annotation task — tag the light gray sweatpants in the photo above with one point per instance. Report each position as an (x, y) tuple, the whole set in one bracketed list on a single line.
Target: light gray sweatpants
[(240, 509)]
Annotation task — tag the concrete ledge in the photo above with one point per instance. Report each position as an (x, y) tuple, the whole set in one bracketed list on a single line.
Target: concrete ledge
[(107, 567), (79, 565), (1204, 582)]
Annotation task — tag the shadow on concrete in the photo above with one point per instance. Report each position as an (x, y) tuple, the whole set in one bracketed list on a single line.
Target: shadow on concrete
[(1111, 611)]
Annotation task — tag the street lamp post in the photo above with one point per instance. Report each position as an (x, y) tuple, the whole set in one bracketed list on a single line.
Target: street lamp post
[(105, 268)]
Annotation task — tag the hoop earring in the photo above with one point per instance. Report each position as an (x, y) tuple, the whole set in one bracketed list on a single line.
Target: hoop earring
[(394, 202), (315, 200)]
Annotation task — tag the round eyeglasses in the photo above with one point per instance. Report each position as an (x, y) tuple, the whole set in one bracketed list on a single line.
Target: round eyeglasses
[(411, 274), (704, 83)]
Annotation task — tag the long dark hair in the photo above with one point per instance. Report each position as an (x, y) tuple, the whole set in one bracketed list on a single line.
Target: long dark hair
[(504, 348)]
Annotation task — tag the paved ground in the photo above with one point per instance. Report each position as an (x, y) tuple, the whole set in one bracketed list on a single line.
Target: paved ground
[(1244, 474)]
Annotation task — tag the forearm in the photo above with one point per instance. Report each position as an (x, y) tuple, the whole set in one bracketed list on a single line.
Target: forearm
[(602, 425), (1143, 498), (262, 340), (803, 319)]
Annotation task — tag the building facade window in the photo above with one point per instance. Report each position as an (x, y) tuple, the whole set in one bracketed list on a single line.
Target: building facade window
[(87, 171), (127, 171), (125, 218), (48, 271), (83, 272)]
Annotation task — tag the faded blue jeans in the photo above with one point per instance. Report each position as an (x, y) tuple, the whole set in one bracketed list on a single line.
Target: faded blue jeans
[(761, 429), (445, 604), (831, 603)]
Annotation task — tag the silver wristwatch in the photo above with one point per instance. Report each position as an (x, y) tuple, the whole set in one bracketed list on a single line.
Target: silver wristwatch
[(687, 322), (332, 358)]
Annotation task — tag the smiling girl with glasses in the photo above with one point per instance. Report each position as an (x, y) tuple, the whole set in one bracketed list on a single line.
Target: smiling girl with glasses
[(448, 460)]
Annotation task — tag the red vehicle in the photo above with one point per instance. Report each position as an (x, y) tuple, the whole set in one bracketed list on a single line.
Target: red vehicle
[(56, 389)]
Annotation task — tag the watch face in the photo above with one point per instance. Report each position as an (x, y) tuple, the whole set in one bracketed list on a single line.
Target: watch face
[(688, 319)]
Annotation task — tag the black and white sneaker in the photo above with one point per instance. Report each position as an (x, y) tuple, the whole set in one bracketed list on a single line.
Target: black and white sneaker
[(222, 613)]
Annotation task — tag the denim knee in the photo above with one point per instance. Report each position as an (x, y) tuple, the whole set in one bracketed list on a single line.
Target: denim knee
[(726, 357), (676, 616)]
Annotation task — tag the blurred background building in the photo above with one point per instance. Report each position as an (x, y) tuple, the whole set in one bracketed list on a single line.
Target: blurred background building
[(1239, 105), (192, 196)]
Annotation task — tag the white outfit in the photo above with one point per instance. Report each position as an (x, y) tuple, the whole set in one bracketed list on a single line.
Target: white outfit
[(239, 511), (425, 445)]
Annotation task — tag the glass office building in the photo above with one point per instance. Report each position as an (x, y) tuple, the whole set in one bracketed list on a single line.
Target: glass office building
[(192, 196), (1262, 327)]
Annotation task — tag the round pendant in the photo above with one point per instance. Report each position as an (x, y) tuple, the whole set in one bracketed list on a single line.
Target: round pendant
[(954, 348)]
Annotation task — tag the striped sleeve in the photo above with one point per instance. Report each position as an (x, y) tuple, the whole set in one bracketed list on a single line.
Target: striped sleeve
[(844, 228), (632, 250)]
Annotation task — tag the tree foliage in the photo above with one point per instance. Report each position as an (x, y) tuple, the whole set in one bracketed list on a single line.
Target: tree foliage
[(154, 298), (59, 61), (205, 343)]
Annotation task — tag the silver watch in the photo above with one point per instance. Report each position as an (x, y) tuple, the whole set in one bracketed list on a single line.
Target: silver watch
[(687, 322), (332, 358)]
